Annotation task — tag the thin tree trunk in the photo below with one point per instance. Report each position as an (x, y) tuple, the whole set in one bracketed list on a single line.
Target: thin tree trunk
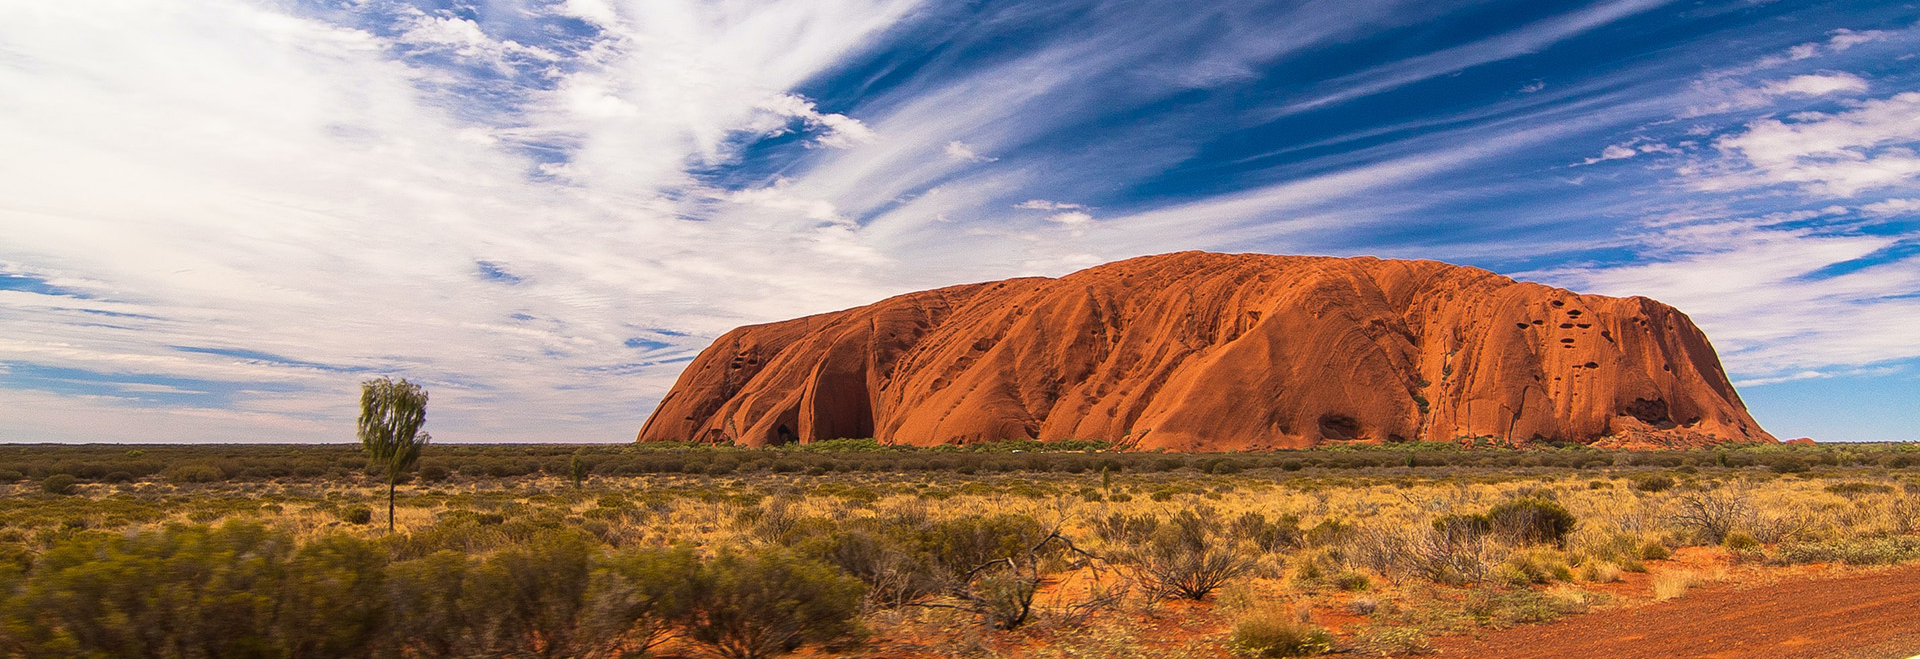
[(390, 503)]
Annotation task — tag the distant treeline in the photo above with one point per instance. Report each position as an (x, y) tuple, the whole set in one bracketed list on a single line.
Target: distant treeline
[(100, 463)]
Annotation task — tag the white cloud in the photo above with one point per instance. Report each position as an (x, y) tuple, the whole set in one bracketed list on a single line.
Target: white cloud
[(839, 131), (1844, 38), (780, 198), (1790, 377), (234, 176), (959, 150), (1612, 152), (1523, 41), (1629, 149), (1838, 41), (1071, 218), (464, 38), (1820, 84), (237, 174), (1838, 154), (1893, 207), (1044, 205)]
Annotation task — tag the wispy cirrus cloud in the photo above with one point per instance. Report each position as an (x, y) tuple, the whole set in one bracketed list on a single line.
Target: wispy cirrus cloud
[(221, 216)]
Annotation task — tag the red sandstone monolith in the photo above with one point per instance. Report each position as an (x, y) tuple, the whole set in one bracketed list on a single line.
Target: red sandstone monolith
[(1198, 351)]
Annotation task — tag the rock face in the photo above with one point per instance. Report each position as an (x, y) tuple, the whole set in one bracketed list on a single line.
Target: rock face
[(1215, 352)]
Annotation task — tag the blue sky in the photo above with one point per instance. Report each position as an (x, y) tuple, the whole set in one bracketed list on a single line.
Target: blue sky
[(220, 216)]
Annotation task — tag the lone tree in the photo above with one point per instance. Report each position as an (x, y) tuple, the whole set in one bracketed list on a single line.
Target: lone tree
[(391, 414)]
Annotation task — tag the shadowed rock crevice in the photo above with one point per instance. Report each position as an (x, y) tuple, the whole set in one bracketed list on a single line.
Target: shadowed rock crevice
[(1201, 351)]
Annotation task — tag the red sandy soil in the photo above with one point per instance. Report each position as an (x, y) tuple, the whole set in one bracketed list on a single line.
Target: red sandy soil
[(1799, 612), (1863, 615)]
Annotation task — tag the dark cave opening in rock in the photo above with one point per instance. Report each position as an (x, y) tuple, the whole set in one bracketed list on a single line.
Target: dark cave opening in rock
[(1339, 426), (1651, 412)]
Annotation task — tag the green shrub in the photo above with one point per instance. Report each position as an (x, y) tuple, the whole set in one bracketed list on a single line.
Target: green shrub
[(61, 484), (1350, 581), (1852, 551), (198, 472), (1620, 550), (1273, 634), (208, 592), (1856, 489), (894, 574), (1529, 521), (530, 599), (1394, 641), (958, 546), (355, 514), (331, 598), (434, 473), (1536, 566), (1279, 534), (768, 604), (1504, 608), (1654, 483), (1740, 541), (1788, 464), (1329, 532)]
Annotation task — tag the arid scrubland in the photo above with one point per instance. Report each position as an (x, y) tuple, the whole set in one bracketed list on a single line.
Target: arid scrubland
[(630, 551)]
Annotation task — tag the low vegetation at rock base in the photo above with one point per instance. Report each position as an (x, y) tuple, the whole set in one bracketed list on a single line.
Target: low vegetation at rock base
[(852, 549)]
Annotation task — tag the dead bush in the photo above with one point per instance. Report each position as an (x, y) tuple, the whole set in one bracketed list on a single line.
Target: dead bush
[(1189, 557), (1711, 514)]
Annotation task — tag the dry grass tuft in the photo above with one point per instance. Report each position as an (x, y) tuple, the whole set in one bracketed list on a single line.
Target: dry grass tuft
[(1673, 584)]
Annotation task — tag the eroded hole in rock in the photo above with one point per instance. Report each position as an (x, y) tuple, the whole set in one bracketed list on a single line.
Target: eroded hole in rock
[(1651, 412), (784, 436), (1592, 365), (1339, 426), (1566, 325), (1566, 340), (1559, 303), (1522, 325), (1573, 313), (1539, 322)]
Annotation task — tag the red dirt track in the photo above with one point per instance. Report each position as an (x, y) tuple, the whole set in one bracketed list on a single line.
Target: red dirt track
[(1870, 615)]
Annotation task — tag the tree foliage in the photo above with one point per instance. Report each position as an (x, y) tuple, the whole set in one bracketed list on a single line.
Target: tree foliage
[(391, 414)]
